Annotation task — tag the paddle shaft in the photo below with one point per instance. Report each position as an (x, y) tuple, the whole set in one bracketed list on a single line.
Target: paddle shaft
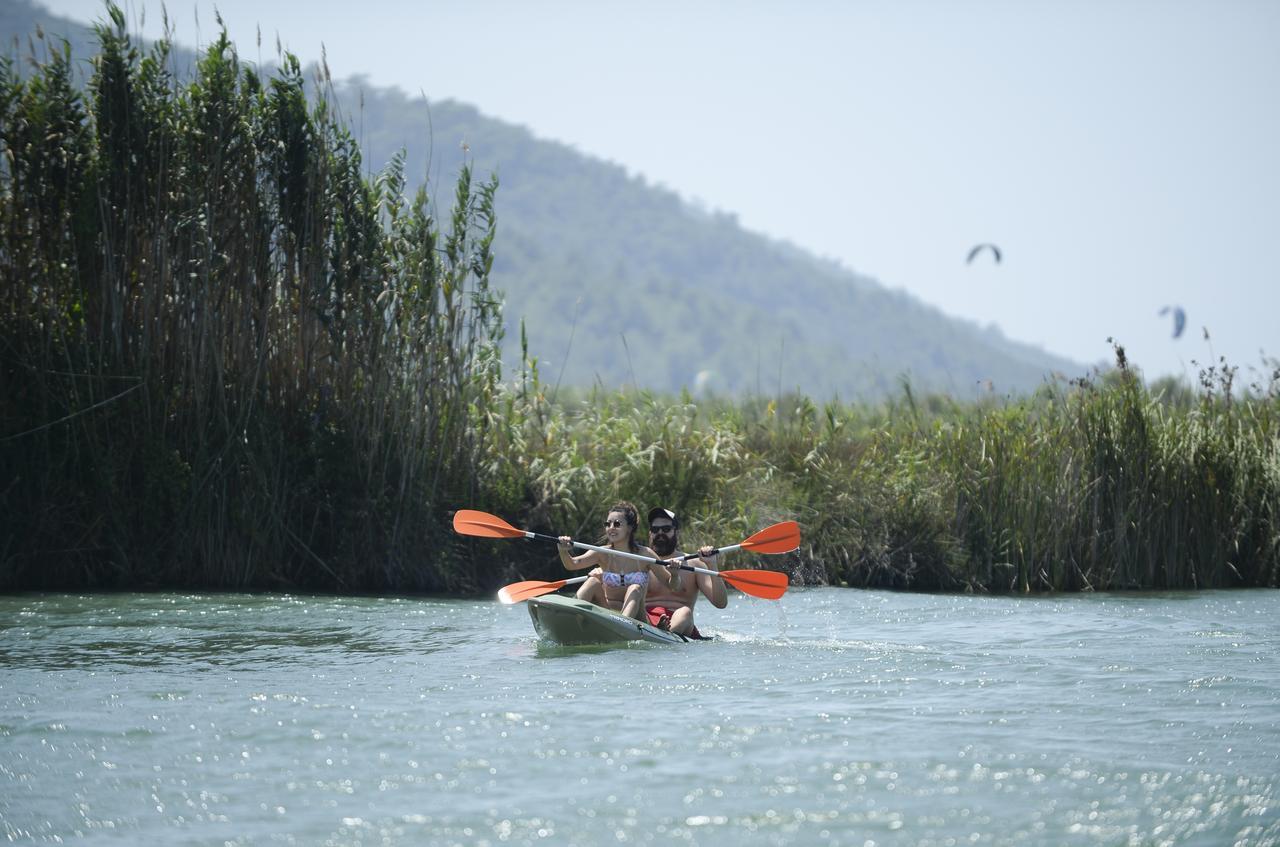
[(738, 579), (639, 558), (683, 567), (770, 585), (650, 559)]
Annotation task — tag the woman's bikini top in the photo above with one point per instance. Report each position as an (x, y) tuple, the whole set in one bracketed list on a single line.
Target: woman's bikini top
[(617, 580)]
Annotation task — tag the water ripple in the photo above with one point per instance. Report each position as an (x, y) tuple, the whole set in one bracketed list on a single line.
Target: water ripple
[(833, 717)]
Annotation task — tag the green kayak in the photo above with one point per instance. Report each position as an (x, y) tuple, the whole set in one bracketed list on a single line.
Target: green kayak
[(570, 621)]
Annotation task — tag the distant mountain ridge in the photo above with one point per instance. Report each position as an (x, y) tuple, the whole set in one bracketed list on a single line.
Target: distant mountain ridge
[(623, 283), (579, 237)]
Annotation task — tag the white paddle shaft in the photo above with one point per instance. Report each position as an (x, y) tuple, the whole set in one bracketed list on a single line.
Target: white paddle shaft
[(629, 555)]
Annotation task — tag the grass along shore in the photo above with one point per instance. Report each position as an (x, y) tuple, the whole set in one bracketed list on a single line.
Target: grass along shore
[(1096, 484)]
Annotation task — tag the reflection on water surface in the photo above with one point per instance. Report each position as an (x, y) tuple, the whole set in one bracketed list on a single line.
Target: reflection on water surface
[(833, 716)]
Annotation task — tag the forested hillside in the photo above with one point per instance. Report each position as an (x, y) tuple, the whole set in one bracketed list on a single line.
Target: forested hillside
[(589, 253), (620, 282)]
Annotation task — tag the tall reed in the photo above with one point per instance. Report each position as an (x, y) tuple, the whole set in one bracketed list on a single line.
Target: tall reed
[(229, 357)]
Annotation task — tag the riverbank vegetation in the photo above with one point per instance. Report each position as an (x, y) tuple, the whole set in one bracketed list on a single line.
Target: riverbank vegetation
[(229, 356), (232, 355), (1097, 484)]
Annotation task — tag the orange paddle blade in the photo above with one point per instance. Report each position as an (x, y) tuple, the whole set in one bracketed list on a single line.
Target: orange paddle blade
[(518, 592), (769, 585), (483, 525), (779, 538)]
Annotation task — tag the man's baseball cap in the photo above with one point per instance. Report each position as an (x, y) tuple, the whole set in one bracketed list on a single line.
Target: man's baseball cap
[(660, 512)]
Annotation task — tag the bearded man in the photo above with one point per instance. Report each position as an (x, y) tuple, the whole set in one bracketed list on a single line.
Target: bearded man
[(672, 607)]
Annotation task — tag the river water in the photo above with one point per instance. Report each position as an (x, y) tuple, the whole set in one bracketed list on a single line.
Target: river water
[(833, 716)]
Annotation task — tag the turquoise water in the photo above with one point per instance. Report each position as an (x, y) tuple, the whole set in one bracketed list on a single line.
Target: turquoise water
[(829, 717)]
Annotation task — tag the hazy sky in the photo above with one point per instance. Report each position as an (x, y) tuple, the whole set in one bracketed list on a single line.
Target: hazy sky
[(1124, 155)]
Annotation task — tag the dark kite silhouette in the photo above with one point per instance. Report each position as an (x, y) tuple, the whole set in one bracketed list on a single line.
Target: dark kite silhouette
[(1179, 318), (995, 251)]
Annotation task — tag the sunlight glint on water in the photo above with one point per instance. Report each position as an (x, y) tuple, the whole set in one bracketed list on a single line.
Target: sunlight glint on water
[(834, 716)]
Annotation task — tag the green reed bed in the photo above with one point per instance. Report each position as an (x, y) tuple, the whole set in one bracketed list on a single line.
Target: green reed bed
[(229, 357), (1095, 485)]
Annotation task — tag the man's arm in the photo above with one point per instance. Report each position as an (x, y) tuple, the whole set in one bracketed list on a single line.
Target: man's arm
[(712, 587)]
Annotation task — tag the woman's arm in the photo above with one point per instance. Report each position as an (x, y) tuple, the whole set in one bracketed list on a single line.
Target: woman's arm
[(571, 562)]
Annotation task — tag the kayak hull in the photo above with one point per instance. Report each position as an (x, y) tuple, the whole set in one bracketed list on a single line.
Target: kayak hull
[(570, 621)]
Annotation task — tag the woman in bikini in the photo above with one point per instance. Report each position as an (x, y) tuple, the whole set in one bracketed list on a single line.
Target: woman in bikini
[(623, 582)]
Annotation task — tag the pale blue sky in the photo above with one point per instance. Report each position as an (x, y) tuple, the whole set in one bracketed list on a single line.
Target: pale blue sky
[(1124, 155)]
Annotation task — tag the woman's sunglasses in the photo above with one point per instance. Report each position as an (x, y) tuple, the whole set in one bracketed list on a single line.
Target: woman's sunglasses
[(610, 524)]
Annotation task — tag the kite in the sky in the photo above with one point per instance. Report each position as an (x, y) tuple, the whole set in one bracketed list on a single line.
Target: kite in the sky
[(1179, 318), (973, 254)]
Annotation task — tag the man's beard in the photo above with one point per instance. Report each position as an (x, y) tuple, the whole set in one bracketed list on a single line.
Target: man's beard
[(665, 544)]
